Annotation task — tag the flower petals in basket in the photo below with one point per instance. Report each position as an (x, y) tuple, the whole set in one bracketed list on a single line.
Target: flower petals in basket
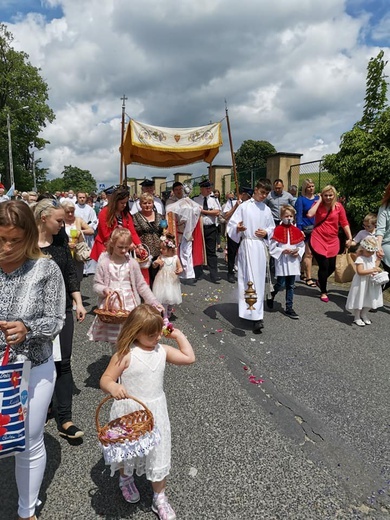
[(110, 315), (129, 436)]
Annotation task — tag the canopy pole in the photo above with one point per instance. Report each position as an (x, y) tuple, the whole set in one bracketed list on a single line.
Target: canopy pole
[(232, 151), (123, 98)]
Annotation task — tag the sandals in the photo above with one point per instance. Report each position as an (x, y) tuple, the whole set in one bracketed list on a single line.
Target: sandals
[(310, 282)]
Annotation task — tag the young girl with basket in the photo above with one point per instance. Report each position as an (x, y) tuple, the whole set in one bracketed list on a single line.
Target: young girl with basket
[(119, 283), (139, 364), (166, 286), (364, 293)]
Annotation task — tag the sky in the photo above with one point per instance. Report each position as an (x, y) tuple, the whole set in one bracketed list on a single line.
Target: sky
[(293, 72)]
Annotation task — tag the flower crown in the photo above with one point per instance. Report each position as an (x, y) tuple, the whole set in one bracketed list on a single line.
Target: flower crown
[(167, 242)]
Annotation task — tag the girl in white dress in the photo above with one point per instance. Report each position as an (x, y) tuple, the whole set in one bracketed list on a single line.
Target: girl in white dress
[(364, 294), (139, 364), (166, 285), (118, 271)]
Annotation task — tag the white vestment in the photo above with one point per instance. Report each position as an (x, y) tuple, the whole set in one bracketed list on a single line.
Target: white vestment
[(89, 216), (286, 265), (252, 254)]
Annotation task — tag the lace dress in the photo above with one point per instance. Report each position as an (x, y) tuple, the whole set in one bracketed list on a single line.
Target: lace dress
[(166, 285), (144, 379), (363, 293)]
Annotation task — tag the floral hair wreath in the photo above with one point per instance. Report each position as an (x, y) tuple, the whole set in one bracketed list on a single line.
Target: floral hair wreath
[(167, 242)]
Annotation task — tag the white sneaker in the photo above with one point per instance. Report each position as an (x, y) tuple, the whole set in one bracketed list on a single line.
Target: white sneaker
[(162, 508), (359, 322), (367, 321)]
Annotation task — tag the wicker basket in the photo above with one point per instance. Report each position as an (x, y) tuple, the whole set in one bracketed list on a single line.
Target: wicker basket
[(130, 427), (112, 316), (380, 278), (142, 260)]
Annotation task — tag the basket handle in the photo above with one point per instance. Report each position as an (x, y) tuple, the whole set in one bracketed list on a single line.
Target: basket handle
[(107, 398), (108, 298)]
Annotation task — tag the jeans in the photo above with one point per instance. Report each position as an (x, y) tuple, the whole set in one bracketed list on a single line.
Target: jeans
[(287, 282)]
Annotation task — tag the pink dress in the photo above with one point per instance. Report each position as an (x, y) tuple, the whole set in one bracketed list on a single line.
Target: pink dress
[(127, 279)]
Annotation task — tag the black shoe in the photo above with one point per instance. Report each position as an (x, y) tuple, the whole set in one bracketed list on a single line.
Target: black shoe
[(231, 278), (72, 432), (215, 280), (258, 326), (270, 303), (291, 314)]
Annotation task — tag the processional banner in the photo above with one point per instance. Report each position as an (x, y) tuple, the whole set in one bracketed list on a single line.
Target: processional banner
[(166, 147)]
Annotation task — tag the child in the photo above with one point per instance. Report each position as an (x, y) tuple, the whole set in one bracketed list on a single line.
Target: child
[(287, 247), (166, 285), (369, 224), (363, 294), (140, 363), (118, 271)]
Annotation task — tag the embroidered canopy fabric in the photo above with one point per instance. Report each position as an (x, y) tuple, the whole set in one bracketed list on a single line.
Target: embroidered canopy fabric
[(167, 147)]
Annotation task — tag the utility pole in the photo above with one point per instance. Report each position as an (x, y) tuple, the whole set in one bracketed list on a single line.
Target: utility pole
[(33, 172), (11, 162), (123, 179)]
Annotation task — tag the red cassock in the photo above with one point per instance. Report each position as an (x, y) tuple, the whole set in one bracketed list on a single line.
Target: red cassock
[(104, 232)]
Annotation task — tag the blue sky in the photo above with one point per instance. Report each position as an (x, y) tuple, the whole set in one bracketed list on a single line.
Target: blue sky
[(13, 10), (293, 71)]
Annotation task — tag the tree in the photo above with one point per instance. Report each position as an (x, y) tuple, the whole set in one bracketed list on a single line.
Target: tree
[(23, 95), (78, 180), (361, 166), (251, 160)]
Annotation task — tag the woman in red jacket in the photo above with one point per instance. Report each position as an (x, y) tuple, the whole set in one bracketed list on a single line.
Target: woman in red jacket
[(324, 241), (115, 214)]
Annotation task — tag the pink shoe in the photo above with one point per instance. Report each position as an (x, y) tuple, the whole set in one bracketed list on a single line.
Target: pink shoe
[(162, 508), (129, 490), (324, 299)]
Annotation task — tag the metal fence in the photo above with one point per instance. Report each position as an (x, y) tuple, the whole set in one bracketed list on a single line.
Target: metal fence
[(310, 170)]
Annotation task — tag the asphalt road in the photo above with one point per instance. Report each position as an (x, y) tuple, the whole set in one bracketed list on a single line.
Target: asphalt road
[(289, 424)]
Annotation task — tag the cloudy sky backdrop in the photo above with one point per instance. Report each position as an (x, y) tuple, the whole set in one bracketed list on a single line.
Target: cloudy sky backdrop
[(292, 71)]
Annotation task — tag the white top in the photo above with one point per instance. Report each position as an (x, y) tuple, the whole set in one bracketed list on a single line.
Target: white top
[(212, 203)]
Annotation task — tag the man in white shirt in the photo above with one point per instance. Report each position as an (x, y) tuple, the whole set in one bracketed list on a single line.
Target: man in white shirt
[(210, 210), (148, 187)]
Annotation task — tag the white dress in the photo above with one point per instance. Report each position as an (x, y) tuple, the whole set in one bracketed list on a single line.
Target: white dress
[(166, 285), (364, 293), (144, 379)]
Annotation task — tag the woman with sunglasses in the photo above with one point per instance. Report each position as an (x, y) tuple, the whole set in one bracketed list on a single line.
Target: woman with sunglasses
[(49, 216)]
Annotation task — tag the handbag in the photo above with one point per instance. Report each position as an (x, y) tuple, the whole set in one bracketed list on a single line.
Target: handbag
[(308, 230), (82, 252), (380, 278), (345, 268), (13, 405)]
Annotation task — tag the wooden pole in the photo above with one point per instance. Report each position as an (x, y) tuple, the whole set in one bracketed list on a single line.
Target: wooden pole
[(232, 151), (123, 98)]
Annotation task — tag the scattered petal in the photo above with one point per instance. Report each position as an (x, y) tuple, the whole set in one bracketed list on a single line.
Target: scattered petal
[(253, 339), (193, 472), (245, 367), (219, 330)]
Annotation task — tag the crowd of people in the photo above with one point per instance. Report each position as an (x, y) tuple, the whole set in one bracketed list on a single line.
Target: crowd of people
[(140, 252)]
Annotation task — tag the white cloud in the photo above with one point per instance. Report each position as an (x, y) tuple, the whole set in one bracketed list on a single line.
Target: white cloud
[(290, 70)]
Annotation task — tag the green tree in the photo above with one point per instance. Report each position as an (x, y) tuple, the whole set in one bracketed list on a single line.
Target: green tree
[(24, 96), (78, 180), (251, 160), (361, 166)]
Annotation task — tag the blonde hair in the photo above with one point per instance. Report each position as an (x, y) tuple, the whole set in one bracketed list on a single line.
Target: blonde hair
[(18, 214), (370, 218), (287, 207), (118, 233), (144, 197), (144, 319), (331, 188), (305, 184), (44, 208), (368, 244), (67, 205)]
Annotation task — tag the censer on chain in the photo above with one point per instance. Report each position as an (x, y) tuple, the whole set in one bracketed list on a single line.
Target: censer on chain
[(250, 296)]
